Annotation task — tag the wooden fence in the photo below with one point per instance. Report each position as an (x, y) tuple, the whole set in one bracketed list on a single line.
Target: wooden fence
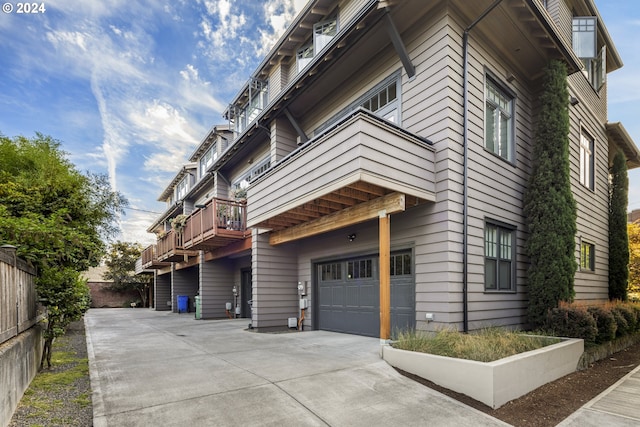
[(19, 308)]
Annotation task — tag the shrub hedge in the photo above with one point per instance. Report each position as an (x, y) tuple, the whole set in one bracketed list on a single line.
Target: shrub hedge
[(594, 324)]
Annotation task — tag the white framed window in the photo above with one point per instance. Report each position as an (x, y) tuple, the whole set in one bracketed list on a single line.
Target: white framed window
[(210, 156), (585, 45), (241, 183), (304, 56), (384, 101), (499, 120), (323, 33), (181, 188), (587, 257), (499, 254), (586, 160)]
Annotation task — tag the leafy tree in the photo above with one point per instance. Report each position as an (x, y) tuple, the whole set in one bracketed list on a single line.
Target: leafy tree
[(121, 264), (549, 207), (634, 257), (618, 239), (58, 218)]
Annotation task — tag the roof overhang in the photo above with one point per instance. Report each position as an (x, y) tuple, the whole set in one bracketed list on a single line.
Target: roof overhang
[(618, 135), (181, 174)]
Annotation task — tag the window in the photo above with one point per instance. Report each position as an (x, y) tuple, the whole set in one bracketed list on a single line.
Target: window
[(181, 189), (242, 182), (586, 161), (585, 45), (257, 93), (207, 159), (304, 56), (383, 99), (360, 269), (331, 271), (587, 257), (498, 121), (401, 264), (384, 102), (499, 268), (323, 33)]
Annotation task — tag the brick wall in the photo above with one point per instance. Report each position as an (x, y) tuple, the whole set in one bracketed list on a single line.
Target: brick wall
[(102, 297)]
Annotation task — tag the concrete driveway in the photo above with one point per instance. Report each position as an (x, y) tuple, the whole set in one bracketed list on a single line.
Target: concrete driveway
[(159, 368)]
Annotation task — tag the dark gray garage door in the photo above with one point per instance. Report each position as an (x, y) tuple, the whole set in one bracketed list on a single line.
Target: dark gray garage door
[(349, 295)]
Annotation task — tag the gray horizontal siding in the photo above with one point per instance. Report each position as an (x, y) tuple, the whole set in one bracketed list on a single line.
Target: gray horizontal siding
[(275, 283), (216, 287), (162, 292), (359, 147), (184, 282)]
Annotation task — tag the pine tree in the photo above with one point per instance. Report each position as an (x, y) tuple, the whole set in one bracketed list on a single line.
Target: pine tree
[(549, 207), (618, 237)]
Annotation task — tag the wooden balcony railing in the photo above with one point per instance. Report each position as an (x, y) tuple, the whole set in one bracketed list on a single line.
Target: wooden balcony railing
[(217, 224), (149, 258)]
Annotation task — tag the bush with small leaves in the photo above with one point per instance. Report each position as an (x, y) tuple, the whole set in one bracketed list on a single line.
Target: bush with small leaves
[(605, 322), (572, 321)]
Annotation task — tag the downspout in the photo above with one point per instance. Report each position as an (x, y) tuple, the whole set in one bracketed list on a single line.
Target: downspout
[(465, 143)]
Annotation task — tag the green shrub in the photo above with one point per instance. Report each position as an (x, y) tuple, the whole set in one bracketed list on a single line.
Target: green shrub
[(621, 321), (485, 345), (630, 316), (636, 310), (573, 321), (606, 323)]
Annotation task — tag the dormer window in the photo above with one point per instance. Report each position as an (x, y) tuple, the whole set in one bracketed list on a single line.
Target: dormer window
[(585, 45), (207, 159), (257, 95), (323, 33), (181, 189), (304, 56)]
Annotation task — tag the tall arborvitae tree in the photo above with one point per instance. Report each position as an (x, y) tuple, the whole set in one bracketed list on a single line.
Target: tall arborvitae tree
[(549, 207), (618, 237)]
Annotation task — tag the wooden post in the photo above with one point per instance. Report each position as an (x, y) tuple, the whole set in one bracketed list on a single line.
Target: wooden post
[(385, 276)]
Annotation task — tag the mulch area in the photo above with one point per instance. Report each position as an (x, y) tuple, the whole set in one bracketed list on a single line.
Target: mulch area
[(555, 401), (66, 411)]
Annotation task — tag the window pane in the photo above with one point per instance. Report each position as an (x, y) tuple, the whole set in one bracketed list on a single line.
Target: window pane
[(392, 92), (505, 275), (490, 274), (505, 127), (490, 131), (584, 37), (407, 264), (505, 244), (490, 240)]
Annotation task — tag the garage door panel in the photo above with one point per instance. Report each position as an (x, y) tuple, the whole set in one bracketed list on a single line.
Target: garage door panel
[(352, 305)]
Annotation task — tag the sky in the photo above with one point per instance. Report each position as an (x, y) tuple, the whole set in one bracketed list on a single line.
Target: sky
[(131, 87)]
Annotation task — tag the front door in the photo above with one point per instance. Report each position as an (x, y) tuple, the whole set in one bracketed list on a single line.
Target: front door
[(247, 292)]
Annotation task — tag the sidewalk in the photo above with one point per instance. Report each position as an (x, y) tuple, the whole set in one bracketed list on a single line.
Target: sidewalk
[(619, 405), (159, 368)]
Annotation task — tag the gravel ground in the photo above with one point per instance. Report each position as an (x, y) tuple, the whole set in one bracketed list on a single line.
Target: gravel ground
[(63, 407)]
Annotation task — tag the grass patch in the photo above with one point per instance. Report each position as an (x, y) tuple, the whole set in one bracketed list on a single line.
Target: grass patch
[(485, 345)]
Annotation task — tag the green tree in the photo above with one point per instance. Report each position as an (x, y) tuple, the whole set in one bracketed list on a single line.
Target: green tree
[(121, 263), (633, 231), (618, 238), (549, 207), (58, 218)]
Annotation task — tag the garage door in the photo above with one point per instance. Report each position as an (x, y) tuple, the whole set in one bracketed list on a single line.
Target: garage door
[(349, 295)]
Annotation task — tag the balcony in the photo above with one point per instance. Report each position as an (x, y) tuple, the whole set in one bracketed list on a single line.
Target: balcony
[(170, 248), (217, 224), (150, 260), (357, 168)]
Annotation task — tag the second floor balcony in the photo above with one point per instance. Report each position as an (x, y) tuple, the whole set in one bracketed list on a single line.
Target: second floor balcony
[(149, 258), (215, 224)]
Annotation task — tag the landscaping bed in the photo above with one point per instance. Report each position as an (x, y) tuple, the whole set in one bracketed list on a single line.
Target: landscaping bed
[(492, 382)]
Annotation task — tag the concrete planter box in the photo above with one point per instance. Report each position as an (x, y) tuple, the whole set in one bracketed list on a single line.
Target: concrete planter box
[(494, 383)]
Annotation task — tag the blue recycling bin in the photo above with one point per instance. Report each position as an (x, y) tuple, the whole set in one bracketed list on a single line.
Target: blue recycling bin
[(183, 303)]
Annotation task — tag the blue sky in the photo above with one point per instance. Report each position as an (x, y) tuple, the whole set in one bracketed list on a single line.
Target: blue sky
[(130, 87)]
